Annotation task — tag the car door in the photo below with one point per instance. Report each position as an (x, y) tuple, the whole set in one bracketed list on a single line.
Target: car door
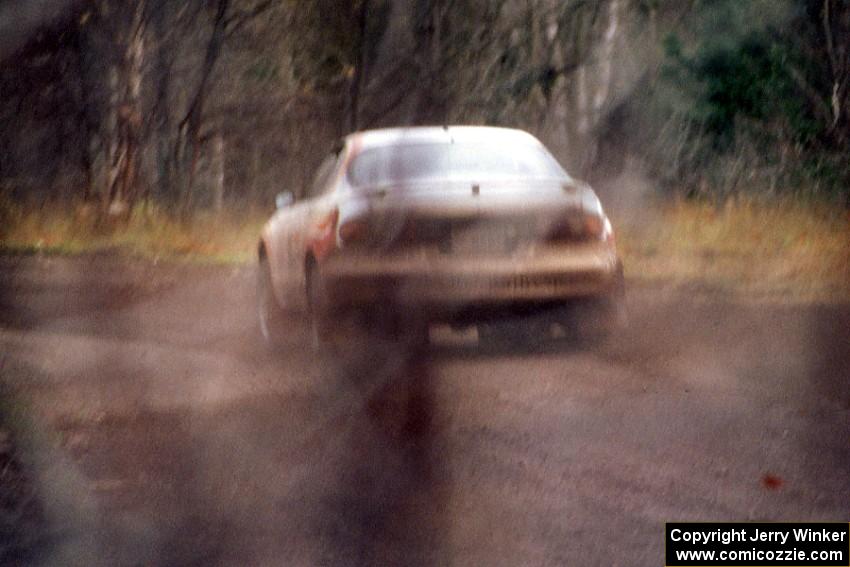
[(301, 219)]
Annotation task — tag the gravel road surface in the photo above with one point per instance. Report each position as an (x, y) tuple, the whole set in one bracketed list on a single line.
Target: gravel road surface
[(159, 431)]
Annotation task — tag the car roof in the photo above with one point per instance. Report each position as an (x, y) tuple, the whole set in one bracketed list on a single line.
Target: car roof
[(438, 134)]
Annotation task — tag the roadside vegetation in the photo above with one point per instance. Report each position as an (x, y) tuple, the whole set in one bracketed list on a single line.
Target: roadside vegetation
[(777, 250), (173, 125), (149, 232), (206, 104), (780, 250)]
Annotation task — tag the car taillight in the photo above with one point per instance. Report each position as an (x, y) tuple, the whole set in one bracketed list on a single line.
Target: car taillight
[(598, 227), (353, 230), (368, 230), (322, 240), (580, 227), (594, 226)]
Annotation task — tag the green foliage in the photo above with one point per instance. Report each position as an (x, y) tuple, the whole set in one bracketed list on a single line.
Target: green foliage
[(331, 38), (715, 96), (736, 69), (262, 70), (740, 81)]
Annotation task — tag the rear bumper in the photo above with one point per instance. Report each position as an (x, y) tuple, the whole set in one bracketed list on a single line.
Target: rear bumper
[(454, 282)]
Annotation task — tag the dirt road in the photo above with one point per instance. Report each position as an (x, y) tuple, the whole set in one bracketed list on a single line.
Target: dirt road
[(160, 433)]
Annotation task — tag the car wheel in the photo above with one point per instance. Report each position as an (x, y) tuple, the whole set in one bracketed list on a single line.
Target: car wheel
[(322, 334), (596, 321), (270, 315), (620, 312), (612, 308)]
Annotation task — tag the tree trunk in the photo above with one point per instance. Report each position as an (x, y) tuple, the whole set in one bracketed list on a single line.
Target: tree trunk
[(358, 74), (217, 169), (606, 58), (188, 146), (115, 149)]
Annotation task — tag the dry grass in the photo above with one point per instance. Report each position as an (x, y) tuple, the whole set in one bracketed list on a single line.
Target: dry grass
[(784, 250), (768, 251), (149, 232)]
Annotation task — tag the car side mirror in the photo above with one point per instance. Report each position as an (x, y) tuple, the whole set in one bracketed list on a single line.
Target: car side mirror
[(284, 199)]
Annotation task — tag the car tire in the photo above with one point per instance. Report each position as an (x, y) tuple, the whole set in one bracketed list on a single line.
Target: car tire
[(600, 319), (271, 318), (615, 310), (322, 335), (596, 320)]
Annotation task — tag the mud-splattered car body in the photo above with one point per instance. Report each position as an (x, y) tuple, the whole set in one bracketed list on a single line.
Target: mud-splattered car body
[(447, 222)]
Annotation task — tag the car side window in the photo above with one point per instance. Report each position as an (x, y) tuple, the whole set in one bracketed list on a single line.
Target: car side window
[(323, 176)]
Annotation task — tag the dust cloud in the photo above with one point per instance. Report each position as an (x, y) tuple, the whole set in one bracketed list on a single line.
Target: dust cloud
[(163, 433)]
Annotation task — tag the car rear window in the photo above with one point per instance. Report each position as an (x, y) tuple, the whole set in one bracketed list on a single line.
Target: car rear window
[(423, 162)]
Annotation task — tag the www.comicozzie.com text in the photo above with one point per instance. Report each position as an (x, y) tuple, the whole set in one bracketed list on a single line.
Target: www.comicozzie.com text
[(744, 534)]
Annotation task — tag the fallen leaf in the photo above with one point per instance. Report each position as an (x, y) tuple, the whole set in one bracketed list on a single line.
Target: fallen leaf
[(772, 482)]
